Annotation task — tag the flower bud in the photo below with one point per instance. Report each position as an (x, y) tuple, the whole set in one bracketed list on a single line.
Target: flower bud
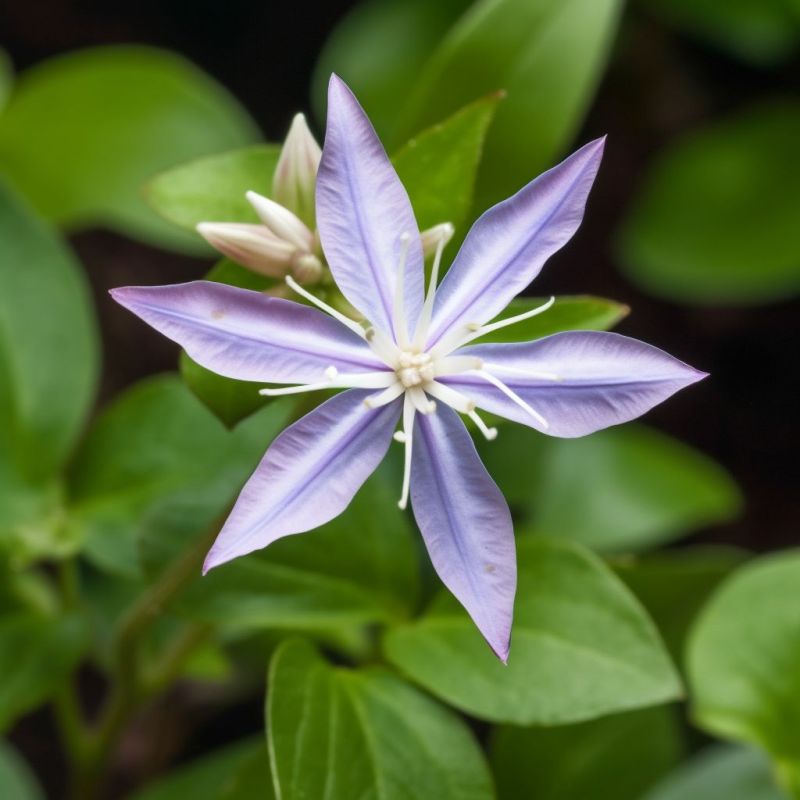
[(431, 238), (306, 268), (296, 171), (252, 246), (282, 222)]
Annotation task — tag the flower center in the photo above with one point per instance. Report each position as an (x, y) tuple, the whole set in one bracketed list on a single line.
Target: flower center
[(414, 369)]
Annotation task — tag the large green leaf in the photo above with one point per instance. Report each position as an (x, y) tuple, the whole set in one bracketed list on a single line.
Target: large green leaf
[(720, 773), (743, 660), (6, 78), (379, 48), (439, 165), (547, 54), (17, 782), (212, 189), (613, 758), (237, 772), (674, 585), (582, 646), (82, 132), (716, 218), (360, 567), (576, 313), (37, 655), (154, 442), (342, 734), (760, 31), (48, 368), (621, 489)]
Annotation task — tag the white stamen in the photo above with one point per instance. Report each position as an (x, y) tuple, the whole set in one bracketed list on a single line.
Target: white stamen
[(420, 400), (407, 433), (451, 397), (399, 311), (489, 433), (399, 436), (352, 324), (524, 373), (473, 330), (385, 397), (424, 322), (383, 347), (336, 380), (454, 365), (512, 395)]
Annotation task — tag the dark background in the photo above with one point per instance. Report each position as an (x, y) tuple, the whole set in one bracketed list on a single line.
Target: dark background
[(658, 85)]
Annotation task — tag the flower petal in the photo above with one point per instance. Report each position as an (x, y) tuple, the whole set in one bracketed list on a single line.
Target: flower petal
[(248, 335), (603, 379), (362, 210), (309, 475), (466, 524), (509, 244)]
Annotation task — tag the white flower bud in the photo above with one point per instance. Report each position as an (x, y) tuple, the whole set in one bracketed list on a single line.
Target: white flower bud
[(252, 246), (443, 232), (306, 268), (296, 171), (282, 222)]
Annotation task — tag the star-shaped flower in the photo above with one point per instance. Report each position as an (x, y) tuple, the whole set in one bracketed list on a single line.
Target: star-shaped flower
[(414, 364)]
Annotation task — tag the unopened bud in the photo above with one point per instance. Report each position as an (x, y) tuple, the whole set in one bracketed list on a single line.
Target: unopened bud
[(306, 268), (296, 171), (438, 235), (253, 246), (282, 222)]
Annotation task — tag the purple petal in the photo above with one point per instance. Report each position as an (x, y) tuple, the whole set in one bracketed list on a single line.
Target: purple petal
[(309, 475), (604, 379), (248, 335), (466, 524), (362, 209), (508, 246)]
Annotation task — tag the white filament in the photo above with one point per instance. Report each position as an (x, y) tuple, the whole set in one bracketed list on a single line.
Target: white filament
[(407, 439), (323, 306), (512, 395)]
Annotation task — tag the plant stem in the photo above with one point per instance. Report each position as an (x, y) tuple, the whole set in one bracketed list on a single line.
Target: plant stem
[(130, 686)]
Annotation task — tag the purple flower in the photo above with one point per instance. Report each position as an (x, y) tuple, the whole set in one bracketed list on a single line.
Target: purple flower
[(415, 363)]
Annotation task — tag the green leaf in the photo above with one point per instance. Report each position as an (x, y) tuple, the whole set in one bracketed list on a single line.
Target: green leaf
[(379, 48), (6, 78), (439, 165), (48, 370), (674, 585), (613, 758), (547, 54), (36, 656), (720, 773), (763, 32), (743, 660), (212, 189), (576, 313), (625, 488), (716, 219), (154, 442), (83, 131), (342, 734), (17, 782), (237, 772), (582, 646), (360, 567)]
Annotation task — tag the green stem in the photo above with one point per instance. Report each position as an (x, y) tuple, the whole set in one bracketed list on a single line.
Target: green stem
[(131, 686)]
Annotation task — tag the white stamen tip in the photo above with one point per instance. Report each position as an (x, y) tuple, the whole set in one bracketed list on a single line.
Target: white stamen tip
[(431, 407), (368, 403), (401, 504), (473, 326), (405, 237), (399, 436), (331, 373)]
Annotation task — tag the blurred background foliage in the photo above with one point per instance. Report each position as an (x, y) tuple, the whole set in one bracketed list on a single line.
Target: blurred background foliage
[(648, 620)]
